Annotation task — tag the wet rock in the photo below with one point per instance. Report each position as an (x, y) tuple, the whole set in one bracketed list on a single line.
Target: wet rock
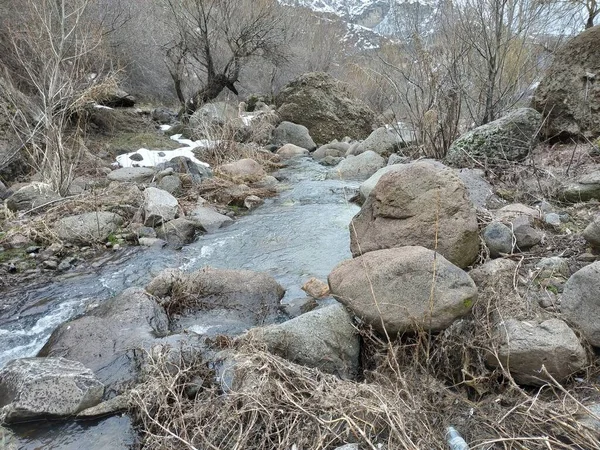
[(526, 346), (333, 149), (178, 232), (509, 138), (36, 388), (66, 263), (244, 170), (109, 407), (252, 201), (498, 238), (30, 196), (323, 338), (171, 184), (411, 206), (107, 338), (209, 219), (581, 302), (88, 228), (151, 242), (331, 161), (316, 288), (299, 306), (132, 174), (7, 439), (291, 133), (391, 289), (159, 207), (289, 151), (592, 233), (359, 167)]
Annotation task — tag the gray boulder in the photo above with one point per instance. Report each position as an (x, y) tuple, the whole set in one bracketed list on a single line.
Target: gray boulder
[(209, 219), (178, 232), (479, 190), (325, 107), (509, 138), (391, 289), (291, 133), (580, 302), (31, 196), (527, 237), (383, 141), (367, 186), (592, 233), (88, 228), (291, 151), (526, 346), (333, 149), (569, 93), (212, 115), (171, 184), (8, 439), (323, 338), (584, 189), (132, 174), (359, 167), (163, 115), (159, 207), (187, 169), (108, 338), (498, 238), (411, 206), (39, 388)]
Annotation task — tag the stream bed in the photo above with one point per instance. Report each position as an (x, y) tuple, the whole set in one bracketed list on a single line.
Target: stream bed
[(301, 233)]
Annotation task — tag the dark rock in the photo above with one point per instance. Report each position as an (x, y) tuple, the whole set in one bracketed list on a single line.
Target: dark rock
[(183, 165), (498, 238), (178, 232)]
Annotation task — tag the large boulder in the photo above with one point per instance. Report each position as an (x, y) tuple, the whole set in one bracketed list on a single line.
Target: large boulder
[(323, 338), (88, 228), (291, 133), (212, 115), (254, 295), (569, 93), (581, 302), (526, 346), (509, 138), (39, 388), (368, 185), (403, 289), (159, 207), (359, 167), (33, 195), (107, 338), (422, 203), (592, 233), (325, 107)]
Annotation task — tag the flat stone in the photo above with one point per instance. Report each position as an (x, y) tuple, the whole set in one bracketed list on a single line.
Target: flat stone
[(132, 174), (209, 219)]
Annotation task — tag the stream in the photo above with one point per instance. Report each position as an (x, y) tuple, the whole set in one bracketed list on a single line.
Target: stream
[(301, 233)]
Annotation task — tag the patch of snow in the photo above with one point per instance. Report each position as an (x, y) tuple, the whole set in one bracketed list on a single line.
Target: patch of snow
[(165, 127), (151, 158), (102, 107)]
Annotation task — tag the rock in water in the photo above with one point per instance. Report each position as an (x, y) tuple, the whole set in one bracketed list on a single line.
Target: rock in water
[(416, 204), (291, 133), (392, 289), (37, 388), (159, 207), (359, 167)]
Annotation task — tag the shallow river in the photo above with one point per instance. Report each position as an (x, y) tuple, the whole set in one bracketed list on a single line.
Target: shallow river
[(302, 233)]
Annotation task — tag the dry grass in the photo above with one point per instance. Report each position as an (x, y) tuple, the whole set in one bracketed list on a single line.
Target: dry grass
[(410, 391)]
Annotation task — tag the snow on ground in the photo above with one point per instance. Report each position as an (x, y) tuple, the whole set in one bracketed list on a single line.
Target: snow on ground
[(151, 158)]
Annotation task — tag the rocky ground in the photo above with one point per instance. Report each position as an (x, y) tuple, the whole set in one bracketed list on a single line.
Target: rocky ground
[(471, 299)]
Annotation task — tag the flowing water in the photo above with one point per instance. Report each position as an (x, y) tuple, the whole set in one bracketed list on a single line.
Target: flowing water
[(301, 233)]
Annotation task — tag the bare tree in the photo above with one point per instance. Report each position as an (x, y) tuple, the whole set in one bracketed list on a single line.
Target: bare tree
[(50, 68), (215, 39)]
